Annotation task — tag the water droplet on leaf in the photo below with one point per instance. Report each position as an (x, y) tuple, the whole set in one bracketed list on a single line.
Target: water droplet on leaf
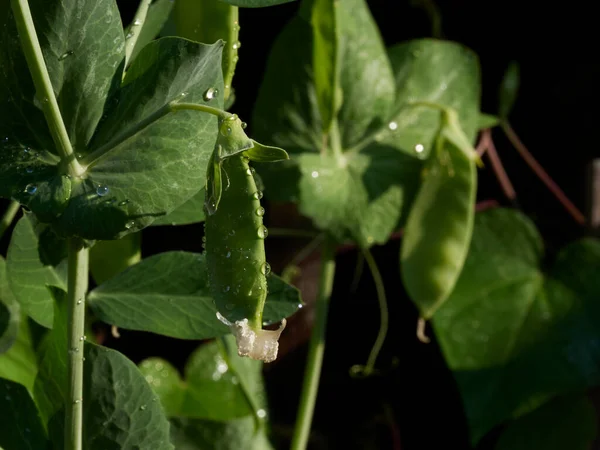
[(102, 190), (419, 148), (314, 174), (393, 126), (31, 189), (210, 94), (65, 55)]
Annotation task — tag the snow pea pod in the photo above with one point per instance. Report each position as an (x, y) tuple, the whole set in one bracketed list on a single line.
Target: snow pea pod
[(235, 252), (440, 224)]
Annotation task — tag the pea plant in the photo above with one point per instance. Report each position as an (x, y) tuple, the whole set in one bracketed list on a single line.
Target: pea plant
[(107, 129)]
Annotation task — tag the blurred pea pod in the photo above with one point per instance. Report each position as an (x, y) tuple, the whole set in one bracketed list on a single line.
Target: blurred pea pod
[(440, 224), (208, 21), (235, 234)]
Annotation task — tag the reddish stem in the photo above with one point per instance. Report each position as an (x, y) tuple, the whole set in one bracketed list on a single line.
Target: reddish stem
[(542, 174), (497, 166)]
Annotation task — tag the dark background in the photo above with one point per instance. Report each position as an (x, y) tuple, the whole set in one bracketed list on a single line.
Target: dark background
[(414, 397)]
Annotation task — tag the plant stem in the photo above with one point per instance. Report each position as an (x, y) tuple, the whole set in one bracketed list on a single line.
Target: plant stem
[(383, 311), (316, 350), (498, 167), (43, 85), (231, 50), (8, 216), (97, 155), (542, 174), (77, 285), (133, 33)]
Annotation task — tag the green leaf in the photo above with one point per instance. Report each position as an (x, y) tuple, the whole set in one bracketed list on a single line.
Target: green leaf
[(31, 175), (362, 200), (255, 3), (50, 388), (20, 425), (158, 14), (506, 324), (125, 190), (211, 388), (198, 434), (439, 227), (120, 409), (265, 153), (19, 363), (428, 70), (509, 88), (108, 258), (190, 212), (487, 121), (567, 422), (168, 294), (10, 312), (36, 259)]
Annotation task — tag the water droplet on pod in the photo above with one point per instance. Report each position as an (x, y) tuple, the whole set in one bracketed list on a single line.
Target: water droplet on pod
[(262, 232), (260, 211), (244, 125), (137, 22), (265, 269), (258, 195), (236, 45)]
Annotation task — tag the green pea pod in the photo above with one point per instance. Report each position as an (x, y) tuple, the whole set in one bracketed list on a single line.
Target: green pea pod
[(440, 224), (236, 259)]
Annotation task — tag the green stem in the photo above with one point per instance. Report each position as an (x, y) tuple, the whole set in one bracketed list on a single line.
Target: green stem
[(316, 350), (383, 311), (230, 52), (97, 155), (133, 31), (8, 217), (226, 349), (77, 285), (43, 85)]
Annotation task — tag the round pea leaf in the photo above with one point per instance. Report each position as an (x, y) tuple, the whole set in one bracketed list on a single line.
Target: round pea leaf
[(508, 324), (168, 294)]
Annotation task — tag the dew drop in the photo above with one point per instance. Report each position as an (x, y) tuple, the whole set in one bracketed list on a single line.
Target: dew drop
[(65, 55), (236, 45), (79, 302), (210, 94), (76, 402), (300, 306), (123, 203), (102, 190), (260, 211), (137, 22), (226, 289), (262, 232), (29, 169), (258, 195), (225, 131), (244, 125), (228, 255), (265, 269), (143, 407), (129, 224), (261, 413), (393, 126), (419, 148), (83, 338), (248, 171), (31, 189), (129, 35), (314, 174)]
